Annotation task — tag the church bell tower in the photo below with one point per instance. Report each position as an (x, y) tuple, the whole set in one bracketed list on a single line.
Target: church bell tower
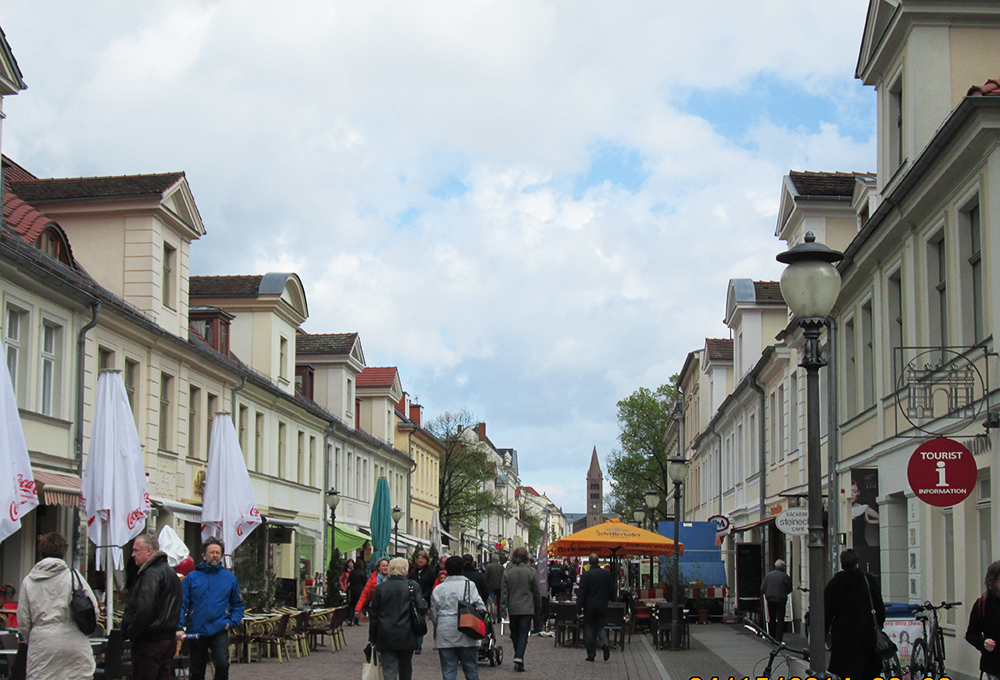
[(595, 492)]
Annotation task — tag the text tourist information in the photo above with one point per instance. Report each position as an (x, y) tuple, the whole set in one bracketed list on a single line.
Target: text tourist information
[(942, 472)]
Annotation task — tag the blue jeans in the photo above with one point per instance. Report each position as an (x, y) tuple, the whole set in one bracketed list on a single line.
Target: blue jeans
[(520, 626), (218, 646), (450, 658)]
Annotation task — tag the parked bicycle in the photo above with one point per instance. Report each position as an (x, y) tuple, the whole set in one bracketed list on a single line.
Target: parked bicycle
[(778, 659), (927, 656)]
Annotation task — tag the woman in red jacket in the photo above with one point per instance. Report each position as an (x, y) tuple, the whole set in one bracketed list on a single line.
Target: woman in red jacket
[(380, 574)]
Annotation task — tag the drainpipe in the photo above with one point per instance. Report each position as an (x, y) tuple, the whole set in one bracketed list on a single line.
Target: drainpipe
[(81, 376), (832, 448), (756, 387), (232, 401)]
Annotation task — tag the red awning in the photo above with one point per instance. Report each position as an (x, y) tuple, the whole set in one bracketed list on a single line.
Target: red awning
[(57, 489)]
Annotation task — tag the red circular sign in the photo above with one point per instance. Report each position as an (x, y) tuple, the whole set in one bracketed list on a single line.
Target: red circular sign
[(942, 472)]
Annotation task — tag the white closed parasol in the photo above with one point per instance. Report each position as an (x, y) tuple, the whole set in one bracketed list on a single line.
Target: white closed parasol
[(17, 484), (113, 494), (229, 511)]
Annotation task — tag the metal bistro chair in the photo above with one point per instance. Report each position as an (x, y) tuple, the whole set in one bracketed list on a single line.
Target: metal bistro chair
[(300, 633), (271, 632), (663, 628), (615, 624), (566, 624)]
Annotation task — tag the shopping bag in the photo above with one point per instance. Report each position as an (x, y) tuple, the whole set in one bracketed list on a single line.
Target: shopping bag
[(470, 621), (372, 670)]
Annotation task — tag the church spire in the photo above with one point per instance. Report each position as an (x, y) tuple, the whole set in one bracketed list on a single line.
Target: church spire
[(595, 492), (595, 466)]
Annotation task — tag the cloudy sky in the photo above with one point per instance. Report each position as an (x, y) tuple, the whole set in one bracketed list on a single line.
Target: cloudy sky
[(531, 208)]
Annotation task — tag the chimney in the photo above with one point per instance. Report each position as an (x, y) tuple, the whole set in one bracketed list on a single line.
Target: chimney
[(481, 431), (417, 414)]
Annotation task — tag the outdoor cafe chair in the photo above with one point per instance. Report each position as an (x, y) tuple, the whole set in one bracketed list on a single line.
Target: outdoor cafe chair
[(300, 632), (615, 623), (663, 628), (114, 653), (270, 633), (566, 624)]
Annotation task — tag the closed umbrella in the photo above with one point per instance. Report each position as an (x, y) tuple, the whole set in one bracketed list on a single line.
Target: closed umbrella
[(113, 492), (17, 484), (229, 511), (543, 558), (381, 520), (436, 532)]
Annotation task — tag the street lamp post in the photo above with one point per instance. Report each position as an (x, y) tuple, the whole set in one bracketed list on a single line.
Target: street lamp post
[(639, 515), (810, 285), (332, 499), (652, 500), (396, 515), (482, 546), (677, 469)]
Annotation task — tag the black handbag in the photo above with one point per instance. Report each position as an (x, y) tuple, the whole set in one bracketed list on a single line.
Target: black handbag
[(884, 646), (418, 623), (80, 606)]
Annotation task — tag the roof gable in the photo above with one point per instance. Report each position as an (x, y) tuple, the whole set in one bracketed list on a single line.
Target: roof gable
[(880, 14), (719, 349), (326, 343), (11, 81), (376, 376)]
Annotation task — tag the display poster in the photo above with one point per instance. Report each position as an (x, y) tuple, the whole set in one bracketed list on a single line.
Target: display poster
[(865, 519)]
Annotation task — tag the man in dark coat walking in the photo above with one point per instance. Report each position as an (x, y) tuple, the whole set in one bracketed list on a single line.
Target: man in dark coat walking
[(850, 622), (775, 588), (592, 597)]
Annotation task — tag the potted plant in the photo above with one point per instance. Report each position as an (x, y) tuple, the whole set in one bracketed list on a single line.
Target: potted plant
[(8, 592), (700, 601)]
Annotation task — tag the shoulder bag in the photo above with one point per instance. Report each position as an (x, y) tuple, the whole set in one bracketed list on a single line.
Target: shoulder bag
[(81, 609), (884, 646), (418, 623), (470, 621)]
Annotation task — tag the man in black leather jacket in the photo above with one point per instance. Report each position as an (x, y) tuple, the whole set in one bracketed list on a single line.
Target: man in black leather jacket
[(153, 612)]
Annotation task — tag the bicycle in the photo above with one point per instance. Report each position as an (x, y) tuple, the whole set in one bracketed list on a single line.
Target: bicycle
[(780, 649), (927, 656)]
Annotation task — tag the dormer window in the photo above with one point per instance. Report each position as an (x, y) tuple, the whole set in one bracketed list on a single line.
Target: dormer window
[(52, 243), (212, 324), (304, 377)]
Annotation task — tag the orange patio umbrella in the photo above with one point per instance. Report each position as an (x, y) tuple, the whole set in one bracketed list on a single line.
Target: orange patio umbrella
[(614, 538)]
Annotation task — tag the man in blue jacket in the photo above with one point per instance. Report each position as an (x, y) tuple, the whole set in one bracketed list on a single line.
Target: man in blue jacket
[(212, 606)]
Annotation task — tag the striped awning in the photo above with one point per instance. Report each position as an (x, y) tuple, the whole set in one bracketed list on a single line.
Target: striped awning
[(57, 489)]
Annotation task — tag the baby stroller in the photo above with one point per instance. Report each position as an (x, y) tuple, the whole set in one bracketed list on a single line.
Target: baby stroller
[(490, 650)]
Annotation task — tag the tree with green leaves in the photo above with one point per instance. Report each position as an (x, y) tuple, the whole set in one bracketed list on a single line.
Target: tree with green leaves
[(467, 475), (641, 462)]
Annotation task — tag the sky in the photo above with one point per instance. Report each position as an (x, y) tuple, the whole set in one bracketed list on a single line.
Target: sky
[(532, 209)]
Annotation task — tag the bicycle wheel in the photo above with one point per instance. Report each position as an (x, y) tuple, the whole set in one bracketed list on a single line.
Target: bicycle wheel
[(918, 660), (891, 668)]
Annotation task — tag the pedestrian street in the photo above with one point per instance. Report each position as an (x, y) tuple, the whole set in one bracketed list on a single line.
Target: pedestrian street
[(717, 651)]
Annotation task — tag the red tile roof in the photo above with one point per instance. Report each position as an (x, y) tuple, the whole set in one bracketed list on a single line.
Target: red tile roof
[(225, 286), (719, 348), (374, 376), (12, 172), (27, 222), (70, 188), (327, 343), (768, 292), (990, 89)]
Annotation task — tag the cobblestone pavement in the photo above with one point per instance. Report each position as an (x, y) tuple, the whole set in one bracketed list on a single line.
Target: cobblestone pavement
[(717, 650)]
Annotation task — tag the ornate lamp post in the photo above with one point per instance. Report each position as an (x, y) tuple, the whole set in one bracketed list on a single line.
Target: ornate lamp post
[(482, 546), (652, 500), (639, 515), (332, 499), (810, 285), (677, 469), (396, 514)]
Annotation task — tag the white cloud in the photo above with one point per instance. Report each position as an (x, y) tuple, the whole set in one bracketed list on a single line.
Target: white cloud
[(308, 129)]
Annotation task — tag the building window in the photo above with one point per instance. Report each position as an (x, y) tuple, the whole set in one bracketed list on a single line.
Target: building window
[(105, 359), (793, 413), (243, 423), (194, 421), (166, 411), (311, 479), (51, 370), (131, 380), (972, 276), (15, 343), (283, 358), (258, 443), (867, 356), (850, 369), (300, 457), (894, 300), (774, 430), (211, 407), (169, 276), (937, 294), (781, 423), (281, 450), (895, 123)]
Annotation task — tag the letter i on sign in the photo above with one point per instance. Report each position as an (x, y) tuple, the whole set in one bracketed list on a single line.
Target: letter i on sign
[(940, 471)]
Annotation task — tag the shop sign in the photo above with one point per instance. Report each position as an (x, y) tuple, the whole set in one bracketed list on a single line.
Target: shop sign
[(942, 472), (793, 522), (723, 526)]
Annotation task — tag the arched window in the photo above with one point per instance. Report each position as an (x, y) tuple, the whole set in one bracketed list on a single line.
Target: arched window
[(52, 243)]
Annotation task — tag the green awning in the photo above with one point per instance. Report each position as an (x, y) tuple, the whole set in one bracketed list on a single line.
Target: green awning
[(349, 539)]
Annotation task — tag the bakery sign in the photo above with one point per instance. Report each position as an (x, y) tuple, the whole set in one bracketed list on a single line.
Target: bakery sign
[(942, 472)]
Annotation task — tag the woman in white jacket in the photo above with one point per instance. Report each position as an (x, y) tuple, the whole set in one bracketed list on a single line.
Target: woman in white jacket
[(57, 650), (453, 645)]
